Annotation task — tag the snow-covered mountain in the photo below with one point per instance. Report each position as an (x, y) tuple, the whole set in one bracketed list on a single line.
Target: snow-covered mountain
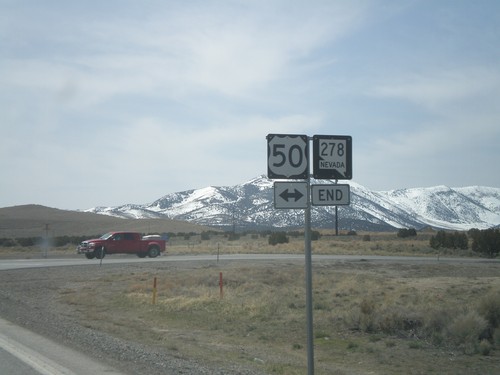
[(250, 206)]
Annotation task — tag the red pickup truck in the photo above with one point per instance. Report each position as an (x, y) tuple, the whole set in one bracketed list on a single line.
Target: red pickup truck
[(123, 243)]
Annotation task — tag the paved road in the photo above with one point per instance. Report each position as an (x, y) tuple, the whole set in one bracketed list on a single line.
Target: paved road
[(7, 264), (10, 364), (23, 352)]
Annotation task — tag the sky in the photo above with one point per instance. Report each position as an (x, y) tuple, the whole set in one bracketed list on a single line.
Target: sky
[(104, 103)]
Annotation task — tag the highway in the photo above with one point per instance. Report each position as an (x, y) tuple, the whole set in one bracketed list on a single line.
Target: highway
[(10, 264)]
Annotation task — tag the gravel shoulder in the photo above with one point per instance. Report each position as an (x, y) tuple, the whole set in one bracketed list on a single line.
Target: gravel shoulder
[(30, 298)]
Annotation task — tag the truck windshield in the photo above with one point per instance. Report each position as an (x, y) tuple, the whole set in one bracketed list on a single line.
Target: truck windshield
[(105, 236)]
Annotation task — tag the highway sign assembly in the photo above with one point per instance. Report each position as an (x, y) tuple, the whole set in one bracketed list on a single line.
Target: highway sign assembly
[(290, 194), (332, 157), (330, 195), (287, 156), (288, 159)]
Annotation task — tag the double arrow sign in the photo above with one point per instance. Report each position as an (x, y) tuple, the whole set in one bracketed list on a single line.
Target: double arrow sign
[(291, 197), (290, 194), (294, 195)]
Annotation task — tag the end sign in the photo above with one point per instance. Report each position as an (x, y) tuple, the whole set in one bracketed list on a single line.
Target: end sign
[(330, 195), (332, 157)]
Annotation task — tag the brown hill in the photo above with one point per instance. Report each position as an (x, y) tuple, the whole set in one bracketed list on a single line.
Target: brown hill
[(32, 220)]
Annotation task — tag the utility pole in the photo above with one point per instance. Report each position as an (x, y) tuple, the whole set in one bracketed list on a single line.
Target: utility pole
[(336, 221), (46, 241), (234, 219)]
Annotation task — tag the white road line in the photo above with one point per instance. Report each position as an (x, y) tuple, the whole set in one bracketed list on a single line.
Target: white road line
[(46, 356), (42, 364)]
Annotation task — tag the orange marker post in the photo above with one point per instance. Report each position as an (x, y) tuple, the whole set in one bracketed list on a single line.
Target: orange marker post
[(221, 285), (154, 291)]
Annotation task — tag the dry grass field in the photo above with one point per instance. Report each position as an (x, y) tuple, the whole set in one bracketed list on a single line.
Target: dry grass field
[(328, 244), (369, 318)]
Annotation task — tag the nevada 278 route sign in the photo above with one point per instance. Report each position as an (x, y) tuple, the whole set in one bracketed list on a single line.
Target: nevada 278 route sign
[(287, 156), (332, 157)]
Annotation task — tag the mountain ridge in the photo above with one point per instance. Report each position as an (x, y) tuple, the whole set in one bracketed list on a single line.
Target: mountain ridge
[(250, 206)]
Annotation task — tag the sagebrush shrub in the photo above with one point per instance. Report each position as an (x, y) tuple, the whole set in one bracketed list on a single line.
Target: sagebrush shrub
[(485, 347), (278, 237), (489, 308), (465, 330), (496, 337)]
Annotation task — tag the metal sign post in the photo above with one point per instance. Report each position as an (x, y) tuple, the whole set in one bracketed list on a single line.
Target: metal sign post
[(309, 303)]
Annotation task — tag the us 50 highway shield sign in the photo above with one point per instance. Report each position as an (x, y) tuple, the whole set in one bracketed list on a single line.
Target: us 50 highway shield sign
[(287, 156)]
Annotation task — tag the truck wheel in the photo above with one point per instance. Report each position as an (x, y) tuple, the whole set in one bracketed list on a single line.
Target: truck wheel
[(100, 253), (90, 255), (153, 252)]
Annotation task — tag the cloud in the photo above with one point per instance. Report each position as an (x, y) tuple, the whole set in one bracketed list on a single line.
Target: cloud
[(434, 89), (452, 108), (182, 94), (150, 142), (226, 48)]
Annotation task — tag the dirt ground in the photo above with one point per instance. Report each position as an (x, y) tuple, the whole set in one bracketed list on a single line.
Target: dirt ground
[(257, 326)]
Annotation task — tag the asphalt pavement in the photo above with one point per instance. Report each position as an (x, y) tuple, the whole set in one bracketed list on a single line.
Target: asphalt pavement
[(24, 352)]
